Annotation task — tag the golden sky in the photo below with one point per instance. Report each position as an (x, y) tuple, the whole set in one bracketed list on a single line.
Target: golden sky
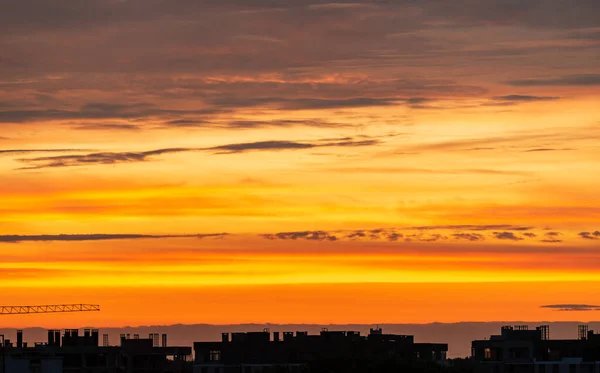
[(300, 161)]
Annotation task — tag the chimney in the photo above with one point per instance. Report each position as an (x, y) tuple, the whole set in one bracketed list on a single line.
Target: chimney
[(57, 338), (275, 336), (19, 338), (50, 337), (66, 338), (95, 338), (224, 337), (164, 340)]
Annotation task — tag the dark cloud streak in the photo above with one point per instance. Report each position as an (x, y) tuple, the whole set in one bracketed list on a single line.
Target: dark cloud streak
[(569, 80), (111, 158), (96, 237), (572, 307)]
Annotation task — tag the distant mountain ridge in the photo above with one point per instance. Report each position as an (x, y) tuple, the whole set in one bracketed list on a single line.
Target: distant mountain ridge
[(457, 335)]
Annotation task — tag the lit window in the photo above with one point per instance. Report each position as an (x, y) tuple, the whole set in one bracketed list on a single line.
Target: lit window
[(214, 355)]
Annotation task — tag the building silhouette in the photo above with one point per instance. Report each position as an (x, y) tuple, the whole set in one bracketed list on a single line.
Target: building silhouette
[(255, 352), (518, 349), (75, 353)]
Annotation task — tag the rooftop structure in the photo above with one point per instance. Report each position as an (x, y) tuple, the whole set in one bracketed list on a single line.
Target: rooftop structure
[(291, 352), (75, 353), (518, 349)]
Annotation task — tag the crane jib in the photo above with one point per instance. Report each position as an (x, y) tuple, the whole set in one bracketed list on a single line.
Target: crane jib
[(51, 308)]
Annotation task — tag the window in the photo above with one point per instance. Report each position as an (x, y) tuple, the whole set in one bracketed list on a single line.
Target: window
[(214, 355), (487, 353)]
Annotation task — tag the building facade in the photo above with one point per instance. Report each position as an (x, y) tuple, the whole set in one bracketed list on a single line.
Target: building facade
[(520, 350), (74, 353), (256, 352)]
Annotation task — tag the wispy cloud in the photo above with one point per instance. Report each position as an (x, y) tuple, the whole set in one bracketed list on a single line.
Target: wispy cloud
[(105, 158), (524, 98), (535, 150), (507, 236), (469, 236), (305, 235), (108, 126), (568, 80), (97, 237), (110, 158), (29, 151), (595, 235), (419, 234), (572, 307), (476, 227)]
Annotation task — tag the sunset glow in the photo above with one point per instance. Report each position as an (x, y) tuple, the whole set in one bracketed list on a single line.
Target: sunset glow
[(264, 161)]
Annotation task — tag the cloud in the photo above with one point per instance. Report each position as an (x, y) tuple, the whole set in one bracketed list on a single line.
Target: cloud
[(97, 237), (572, 307), (469, 236), (390, 234), (357, 235), (110, 158), (307, 103), (569, 80), (100, 111), (394, 236), (420, 237), (590, 235), (29, 151), (475, 227), (507, 236), (428, 238), (187, 123), (441, 171), (546, 150), (552, 237), (248, 124), (262, 145), (107, 126), (305, 235), (106, 158), (524, 98), (529, 234)]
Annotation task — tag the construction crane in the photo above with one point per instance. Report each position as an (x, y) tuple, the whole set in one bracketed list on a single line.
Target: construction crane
[(50, 308)]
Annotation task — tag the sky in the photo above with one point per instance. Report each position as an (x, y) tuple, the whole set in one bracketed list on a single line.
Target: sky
[(236, 161)]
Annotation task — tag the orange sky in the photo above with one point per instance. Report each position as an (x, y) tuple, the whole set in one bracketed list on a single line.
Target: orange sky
[(235, 161)]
